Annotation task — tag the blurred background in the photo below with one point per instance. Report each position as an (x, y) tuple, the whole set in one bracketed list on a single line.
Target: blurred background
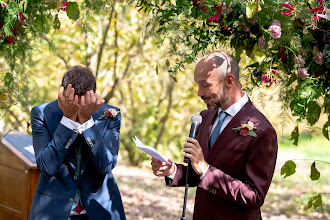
[(131, 69)]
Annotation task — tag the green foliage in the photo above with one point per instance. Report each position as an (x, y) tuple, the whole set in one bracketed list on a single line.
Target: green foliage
[(295, 135), (195, 27), (288, 168), (315, 174), (315, 201), (72, 10)]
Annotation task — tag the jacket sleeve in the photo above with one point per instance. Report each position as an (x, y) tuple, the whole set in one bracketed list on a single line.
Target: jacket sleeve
[(251, 190), (49, 150), (103, 145), (180, 177)]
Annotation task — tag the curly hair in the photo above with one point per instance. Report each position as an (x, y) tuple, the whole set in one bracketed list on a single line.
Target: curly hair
[(81, 78)]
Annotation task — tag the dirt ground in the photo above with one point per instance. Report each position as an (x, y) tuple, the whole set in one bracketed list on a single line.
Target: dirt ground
[(146, 197)]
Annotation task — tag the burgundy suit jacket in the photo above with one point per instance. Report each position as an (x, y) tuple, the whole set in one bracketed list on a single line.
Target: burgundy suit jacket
[(241, 168)]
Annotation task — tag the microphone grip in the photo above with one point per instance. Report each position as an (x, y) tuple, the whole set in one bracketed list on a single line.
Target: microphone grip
[(192, 134)]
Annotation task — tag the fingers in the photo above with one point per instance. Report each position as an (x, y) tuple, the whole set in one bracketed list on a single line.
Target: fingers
[(92, 97), (76, 100), (60, 94)]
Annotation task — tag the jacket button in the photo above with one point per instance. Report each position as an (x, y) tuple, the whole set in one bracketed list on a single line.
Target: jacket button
[(75, 177), (71, 200)]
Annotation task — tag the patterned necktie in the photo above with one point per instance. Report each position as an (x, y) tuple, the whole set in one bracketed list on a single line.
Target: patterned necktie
[(216, 130)]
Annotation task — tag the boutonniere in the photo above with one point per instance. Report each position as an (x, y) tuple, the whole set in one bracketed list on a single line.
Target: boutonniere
[(109, 113), (246, 129)]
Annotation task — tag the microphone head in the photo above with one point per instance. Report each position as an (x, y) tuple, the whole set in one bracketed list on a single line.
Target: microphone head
[(196, 118)]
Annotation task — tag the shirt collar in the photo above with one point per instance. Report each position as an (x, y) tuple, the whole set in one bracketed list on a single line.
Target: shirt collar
[(236, 107)]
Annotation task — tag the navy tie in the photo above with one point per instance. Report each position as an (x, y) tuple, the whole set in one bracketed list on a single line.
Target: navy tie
[(216, 130)]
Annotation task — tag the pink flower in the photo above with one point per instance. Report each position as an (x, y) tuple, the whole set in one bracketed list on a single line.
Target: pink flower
[(269, 77), (318, 9), (21, 17), (226, 9), (302, 72), (261, 43), (299, 60), (109, 113), (3, 4), (275, 29), (218, 9), (289, 6), (244, 131), (200, 4), (318, 58), (64, 4), (10, 39)]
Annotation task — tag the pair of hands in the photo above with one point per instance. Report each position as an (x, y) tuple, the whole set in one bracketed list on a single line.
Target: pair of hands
[(78, 108), (192, 150)]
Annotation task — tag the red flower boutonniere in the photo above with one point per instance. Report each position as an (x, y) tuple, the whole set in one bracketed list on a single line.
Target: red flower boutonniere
[(246, 129), (109, 113)]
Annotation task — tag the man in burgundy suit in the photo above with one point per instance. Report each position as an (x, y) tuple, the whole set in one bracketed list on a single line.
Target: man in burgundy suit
[(235, 152)]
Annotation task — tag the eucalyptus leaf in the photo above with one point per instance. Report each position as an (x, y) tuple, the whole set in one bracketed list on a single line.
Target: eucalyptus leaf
[(315, 201), (72, 10), (295, 135), (288, 169), (315, 174)]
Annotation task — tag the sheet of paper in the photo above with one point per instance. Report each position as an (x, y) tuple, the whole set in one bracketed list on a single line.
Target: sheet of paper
[(149, 150)]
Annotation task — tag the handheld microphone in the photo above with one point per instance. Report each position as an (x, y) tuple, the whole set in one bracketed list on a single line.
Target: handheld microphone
[(196, 120)]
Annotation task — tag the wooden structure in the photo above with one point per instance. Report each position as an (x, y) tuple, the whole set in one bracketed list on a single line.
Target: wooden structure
[(19, 175)]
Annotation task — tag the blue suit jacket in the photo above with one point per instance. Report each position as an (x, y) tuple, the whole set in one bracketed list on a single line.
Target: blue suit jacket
[(56, 160)]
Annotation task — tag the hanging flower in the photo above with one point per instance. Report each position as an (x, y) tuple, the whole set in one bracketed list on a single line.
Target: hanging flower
[(289, 6), (246, 129), (64, 4), (21, 17), (225, 30), (4, 4), (218, 9), (269, 77), (200, 4), (10, 39), (318, 58), (302, 73), (261, 43), (275, 29), (318, 9), (299, 60)]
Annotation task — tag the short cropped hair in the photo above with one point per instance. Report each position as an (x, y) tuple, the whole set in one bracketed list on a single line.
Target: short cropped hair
[(81, 78)]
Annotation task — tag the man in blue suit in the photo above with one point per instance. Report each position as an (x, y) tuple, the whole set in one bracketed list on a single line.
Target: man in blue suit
[(76, 142)]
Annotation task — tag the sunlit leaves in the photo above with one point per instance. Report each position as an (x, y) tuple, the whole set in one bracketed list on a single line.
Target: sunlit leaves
[(57, 23), (72, 10), (288, 168), (313, 113), (315, 174), (295, 135), (40, 24), (315, 201)]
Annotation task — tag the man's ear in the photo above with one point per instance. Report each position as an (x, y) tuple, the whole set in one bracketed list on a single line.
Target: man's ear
[(230, 80)]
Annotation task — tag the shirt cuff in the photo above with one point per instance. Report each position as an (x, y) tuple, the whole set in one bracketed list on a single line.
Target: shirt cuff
[(172, 176), (76, 126), (202, 176), (86, 125), (67, 122)]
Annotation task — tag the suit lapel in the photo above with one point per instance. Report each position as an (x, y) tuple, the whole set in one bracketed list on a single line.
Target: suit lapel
[(207, 129), (96, 115), (228, 134), (52, 116)]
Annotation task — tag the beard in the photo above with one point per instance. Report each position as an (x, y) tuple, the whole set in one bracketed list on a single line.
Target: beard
[(216, 102)]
